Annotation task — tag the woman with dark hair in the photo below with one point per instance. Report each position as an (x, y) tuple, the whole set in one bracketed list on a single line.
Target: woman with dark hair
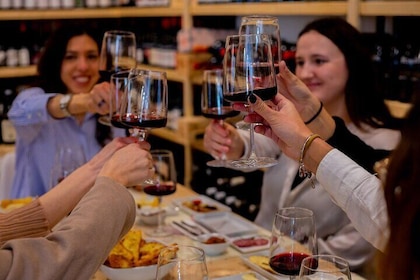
[(61, 109), (332, 63)]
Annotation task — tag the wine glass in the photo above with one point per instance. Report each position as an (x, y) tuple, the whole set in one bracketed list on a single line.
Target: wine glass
[(213, 104), (163, 182), (181, 262), (144, 104), (118, 53), (66, 160), (248, 69), (118, 84), (293, 238), (324, 267), (264, 24)]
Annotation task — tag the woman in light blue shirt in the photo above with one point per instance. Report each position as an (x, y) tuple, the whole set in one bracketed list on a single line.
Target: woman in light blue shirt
[(61, 110)]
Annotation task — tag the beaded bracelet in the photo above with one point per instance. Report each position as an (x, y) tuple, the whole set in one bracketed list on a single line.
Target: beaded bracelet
[(303, 173), (316, 114)]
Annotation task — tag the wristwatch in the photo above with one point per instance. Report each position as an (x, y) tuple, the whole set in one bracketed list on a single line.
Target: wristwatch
[(64, 104)]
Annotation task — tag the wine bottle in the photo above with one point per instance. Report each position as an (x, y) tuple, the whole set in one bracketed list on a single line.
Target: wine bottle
[(8, 132)]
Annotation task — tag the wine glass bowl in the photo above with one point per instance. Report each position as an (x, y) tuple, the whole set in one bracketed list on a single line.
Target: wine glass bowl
[(248, 70), (213, 104), (264, 24), (118, 83), (163, 182), (182, 262), (145, 102), (118, 52), (324, 267), (293, 238)]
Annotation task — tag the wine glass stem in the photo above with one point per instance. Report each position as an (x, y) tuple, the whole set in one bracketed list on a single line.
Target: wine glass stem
[(222, 123), (253, 155), (141, 134), (160, 216)]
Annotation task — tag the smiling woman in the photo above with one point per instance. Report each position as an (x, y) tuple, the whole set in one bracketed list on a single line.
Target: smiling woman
[(61, 109)]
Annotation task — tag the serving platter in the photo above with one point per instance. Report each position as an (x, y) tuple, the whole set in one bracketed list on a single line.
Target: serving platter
[(226, 223), (242, 276), (200, 205), (250, 243)]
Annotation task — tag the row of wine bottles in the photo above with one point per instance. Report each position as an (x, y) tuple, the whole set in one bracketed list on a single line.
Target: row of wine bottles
[(66, 4)]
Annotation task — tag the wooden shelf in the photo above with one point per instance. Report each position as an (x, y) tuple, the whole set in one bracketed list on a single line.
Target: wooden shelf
[(300, 8), (390, 8), (175, 9), (16, 72)]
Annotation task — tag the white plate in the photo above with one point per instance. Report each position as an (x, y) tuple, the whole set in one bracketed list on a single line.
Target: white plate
[(259, 269), (241, 276), (252, 248), (226, 223), (219, 207)]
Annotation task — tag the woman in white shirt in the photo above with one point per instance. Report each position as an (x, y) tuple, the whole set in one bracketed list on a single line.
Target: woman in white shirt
[(332, 63)]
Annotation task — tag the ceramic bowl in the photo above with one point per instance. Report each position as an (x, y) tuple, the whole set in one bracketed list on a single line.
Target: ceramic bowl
[(213, 248), (132, 273), (149, 215)]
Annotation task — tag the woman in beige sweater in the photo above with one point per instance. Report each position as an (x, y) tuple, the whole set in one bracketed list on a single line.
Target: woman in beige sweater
[(35, 246)]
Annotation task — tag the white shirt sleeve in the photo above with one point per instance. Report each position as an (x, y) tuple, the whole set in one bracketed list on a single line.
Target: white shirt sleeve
[(358, 193)]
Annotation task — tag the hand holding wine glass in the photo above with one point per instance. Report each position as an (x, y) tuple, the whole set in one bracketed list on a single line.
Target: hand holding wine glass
[(213, 104), (144, 104), (324, 267), (163, 182), (293, 238), (181, 262), (248, 70)]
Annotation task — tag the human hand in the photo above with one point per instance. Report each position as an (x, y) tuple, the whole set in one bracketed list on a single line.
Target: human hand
[(218, 140), (281, 122), (99, 101), (98, 161), (293, 89), (130, 165)]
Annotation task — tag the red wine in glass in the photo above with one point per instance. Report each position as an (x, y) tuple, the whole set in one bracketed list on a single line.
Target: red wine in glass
[(287, 263), (219, 113), (116, 122), (160, 189), (147, 121), (263, 93)]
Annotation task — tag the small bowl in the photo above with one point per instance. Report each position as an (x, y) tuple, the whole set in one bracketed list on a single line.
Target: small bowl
[(149, 215), (132, 273), (213, 249)]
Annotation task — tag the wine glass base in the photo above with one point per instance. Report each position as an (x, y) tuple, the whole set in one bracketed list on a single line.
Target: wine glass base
[(159, 232), (104, 120), (252, 163), (218, 163)]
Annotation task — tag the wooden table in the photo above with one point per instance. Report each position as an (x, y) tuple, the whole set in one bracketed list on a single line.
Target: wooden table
[(217, 265), (229, 263)]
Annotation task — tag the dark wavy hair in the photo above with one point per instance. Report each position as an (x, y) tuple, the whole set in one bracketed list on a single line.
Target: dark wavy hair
[(401, 259), (364, 101), (49, 65)]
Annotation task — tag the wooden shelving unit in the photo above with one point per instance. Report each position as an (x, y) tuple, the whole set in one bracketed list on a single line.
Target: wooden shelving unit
[(190, 125)]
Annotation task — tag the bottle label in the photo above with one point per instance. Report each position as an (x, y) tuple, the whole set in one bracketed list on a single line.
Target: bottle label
[(8, 132)]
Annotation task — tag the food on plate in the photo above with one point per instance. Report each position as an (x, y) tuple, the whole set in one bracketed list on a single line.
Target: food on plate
[(262, 261), (249, 276), (250, 242), (132, 251), (214, 240), (9, 204), (199, 206)]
